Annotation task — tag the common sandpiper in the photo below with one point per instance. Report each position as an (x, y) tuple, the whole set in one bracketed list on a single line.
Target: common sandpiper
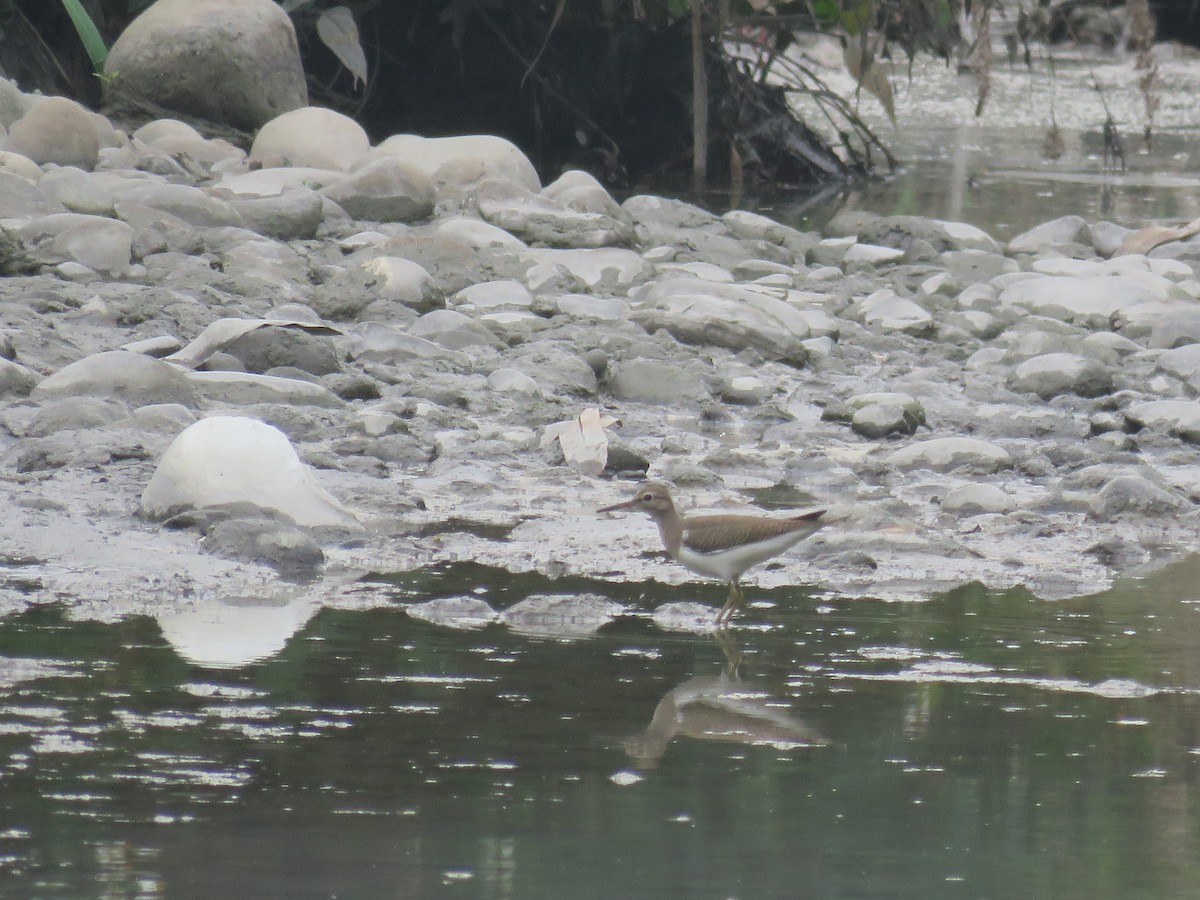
[(720, 546)]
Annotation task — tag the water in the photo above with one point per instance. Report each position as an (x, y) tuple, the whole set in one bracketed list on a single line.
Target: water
[(990, 171), (973, 745)]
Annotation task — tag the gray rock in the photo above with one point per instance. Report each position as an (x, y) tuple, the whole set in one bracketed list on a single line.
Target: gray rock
[(752, 226), (13, 104), (849, 223), (1133, 494), (1182, 362), (78, 191), (163, 418), (747, 390), (185, 202), (131, 377), (901, 231), (946, 454), (646, 209), (16, 380), (1180, 418), (246, 388), (1088, 301), (56, 130), (225, 62), (269, 348), (71, 413), (1107, 237), (103, 245), (453, 330), (377, 342), (1064, 230), (709, 319), (266, 541), (886, 312), (386, 189), (974, 499), (1061, 373), (511, 381), (294, 214), (88, 447), (653, 381), (971, 267), (558, 371), (1176, 328), (536, 219), (879, 414), (21, 199)]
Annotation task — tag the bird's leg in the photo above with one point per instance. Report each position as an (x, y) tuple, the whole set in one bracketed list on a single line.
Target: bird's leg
[(731, 605)]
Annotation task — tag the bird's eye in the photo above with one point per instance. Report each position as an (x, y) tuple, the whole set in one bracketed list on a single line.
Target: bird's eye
[(646, 498)]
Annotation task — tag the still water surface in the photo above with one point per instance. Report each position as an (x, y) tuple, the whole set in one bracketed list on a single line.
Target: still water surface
[(973, 745)]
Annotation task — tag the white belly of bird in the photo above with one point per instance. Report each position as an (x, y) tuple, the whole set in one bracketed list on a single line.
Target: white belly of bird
[(729, 564)]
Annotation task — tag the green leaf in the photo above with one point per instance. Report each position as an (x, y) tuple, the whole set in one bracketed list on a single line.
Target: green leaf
[(88, 33)]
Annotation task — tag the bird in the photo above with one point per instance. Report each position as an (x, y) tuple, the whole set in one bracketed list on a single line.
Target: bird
[(720, 546)]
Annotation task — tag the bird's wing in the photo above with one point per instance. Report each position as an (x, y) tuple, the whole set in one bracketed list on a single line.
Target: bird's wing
[(708, 534)]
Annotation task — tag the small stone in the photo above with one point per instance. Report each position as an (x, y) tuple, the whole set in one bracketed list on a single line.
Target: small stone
[(652, 381), (1061, 373), (946, 454), (974, 499), (1133, 494), (1064, 230)]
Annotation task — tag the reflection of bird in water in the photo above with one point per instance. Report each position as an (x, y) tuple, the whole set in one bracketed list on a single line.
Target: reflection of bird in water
[(719, 708), (719, 546)]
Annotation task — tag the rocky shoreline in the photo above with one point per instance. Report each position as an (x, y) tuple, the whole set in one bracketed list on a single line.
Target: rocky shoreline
[(417, 317)]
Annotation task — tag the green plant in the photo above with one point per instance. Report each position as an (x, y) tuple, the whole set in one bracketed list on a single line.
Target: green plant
[(88, 33)]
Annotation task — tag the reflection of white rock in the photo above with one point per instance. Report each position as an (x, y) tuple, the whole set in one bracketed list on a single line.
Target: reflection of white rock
[(560, 616), (454, 612), (228, 459), (235, 631)]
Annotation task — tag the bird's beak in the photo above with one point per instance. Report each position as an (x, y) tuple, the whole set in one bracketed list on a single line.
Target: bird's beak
[(628, 504)]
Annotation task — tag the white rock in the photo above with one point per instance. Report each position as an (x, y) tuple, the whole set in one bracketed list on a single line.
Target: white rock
[(608, 268), (871, 254), (972, 499), (402, 280), (311, 136), (228, 459), (1064, 230), (885, 311), (463, 159), (454, 612), (491, 295), (1089, 301), (580, 191), (586, 306), (511, 381), (562, 616), (477, 234), (273, 182), (942, 454)]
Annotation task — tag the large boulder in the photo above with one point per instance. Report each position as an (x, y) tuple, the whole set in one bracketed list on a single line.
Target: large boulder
[(232, 61), (56, 130), (229, 459)]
